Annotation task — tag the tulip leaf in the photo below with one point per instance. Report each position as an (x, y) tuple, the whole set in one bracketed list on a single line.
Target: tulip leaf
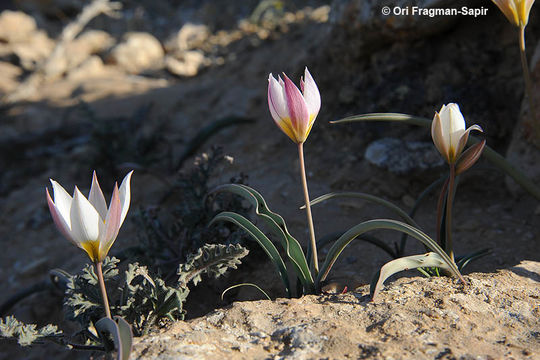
[(277, 225), (367, 197), (470, 157), (121, 333), (366, 226), (261, 239), (245, 284), (332, 237), (490, 154), (430, 259), (464, 260)]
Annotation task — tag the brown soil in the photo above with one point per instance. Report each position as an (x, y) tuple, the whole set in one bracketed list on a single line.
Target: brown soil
[(407, 75)]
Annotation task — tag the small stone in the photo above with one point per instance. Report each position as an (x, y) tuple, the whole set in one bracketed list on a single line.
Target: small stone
[(139, 52), (190, 36), (91, 68)]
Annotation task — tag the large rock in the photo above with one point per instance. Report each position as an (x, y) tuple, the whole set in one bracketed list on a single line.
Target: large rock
[(403, 157), (16, 26), (20, 40), (138, 52), (493, 316)]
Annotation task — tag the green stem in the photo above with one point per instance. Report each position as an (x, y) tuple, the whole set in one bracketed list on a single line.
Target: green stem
[(315, 261), (528, 82), (449, 201), (101, 282)]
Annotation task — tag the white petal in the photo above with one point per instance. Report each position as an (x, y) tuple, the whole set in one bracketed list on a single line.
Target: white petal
[(62, 202), (58, 219), (125, 195), (453, 125), (85, 220), (311, 94), (438, 137), (276, 99), (96, 198)]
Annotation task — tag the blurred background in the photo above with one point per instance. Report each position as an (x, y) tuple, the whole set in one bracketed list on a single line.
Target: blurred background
[(177, 91)]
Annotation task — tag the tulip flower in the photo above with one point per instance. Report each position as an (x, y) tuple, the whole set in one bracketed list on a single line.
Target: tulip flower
[(516, 11), (449, 133), (450, 137), (294, 111), (88, 223)]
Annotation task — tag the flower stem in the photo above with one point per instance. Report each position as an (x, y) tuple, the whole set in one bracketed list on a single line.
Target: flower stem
[(449, 202), (528, 83), (440, 208), (101, 282), (315, 261)]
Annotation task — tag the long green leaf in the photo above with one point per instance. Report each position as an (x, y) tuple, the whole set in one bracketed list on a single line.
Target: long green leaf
[(366, 226), (367, 197), (392, 267), (277, 225), (490, 154), (263, 241)]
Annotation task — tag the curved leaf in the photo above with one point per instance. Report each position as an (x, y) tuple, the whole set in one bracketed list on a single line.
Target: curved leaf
[(277, 225), (367, 197), (430, 259), (490, 154), (120, 330), (366, 226), (262, 239), (464, 260), (330, 238), (245, 284)]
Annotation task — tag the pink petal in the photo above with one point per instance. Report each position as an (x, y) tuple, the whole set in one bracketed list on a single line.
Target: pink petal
[(112, 224), (297, 109)]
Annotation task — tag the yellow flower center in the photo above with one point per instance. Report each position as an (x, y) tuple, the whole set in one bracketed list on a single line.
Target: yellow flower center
[(92, 249)]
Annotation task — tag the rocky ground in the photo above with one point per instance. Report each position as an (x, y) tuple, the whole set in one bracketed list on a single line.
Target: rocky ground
[(495, 315), (169, 69)]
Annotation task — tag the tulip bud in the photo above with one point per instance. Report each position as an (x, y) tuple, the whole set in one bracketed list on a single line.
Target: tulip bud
[(448, 132), (294, 111)]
